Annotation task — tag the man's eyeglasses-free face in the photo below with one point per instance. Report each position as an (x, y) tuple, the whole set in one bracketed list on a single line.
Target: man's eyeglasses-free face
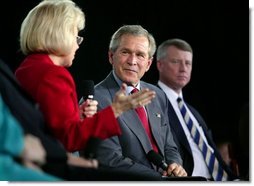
[(79, 39)]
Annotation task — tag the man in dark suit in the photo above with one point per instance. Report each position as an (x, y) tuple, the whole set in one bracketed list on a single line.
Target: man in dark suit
[(130, 53), (174, 63)]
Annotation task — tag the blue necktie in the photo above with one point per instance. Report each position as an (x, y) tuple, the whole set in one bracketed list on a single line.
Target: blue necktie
[(213, 165)]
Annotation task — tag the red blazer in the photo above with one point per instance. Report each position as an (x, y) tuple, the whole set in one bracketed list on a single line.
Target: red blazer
[(54, 89)]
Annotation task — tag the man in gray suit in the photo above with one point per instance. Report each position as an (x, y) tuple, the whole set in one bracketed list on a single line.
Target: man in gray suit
[(131, 53)]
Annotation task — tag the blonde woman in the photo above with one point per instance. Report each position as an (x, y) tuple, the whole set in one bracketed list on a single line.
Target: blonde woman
[(49, 39)]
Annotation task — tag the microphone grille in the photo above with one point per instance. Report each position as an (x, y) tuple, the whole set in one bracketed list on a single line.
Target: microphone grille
[(154, 157), (88, 88)]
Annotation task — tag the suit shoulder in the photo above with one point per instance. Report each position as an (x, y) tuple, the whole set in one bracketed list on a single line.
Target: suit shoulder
[(153, 87), (193, 109)]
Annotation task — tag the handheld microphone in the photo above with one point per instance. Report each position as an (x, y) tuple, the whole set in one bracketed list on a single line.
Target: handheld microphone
[(88, 92), (88, 88), (157, 160)]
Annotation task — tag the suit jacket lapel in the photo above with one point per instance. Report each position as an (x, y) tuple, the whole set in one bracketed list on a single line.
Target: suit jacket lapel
[(131, 119), (155, 121), (202, 124), (155, 124)]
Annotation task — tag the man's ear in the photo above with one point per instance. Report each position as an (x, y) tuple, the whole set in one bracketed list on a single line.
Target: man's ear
[(149, 63), (110, 57), (159, 65)]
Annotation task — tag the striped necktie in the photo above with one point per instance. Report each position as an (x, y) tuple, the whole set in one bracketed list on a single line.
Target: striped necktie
[(213, 165), (144, 120)]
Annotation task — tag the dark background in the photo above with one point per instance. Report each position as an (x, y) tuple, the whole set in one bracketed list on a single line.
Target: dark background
[(218, 31)]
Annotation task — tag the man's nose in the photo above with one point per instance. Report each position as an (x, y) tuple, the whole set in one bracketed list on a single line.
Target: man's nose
[(132, 59)]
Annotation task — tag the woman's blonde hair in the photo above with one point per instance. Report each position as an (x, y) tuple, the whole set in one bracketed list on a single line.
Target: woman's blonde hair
[(50, 27)]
